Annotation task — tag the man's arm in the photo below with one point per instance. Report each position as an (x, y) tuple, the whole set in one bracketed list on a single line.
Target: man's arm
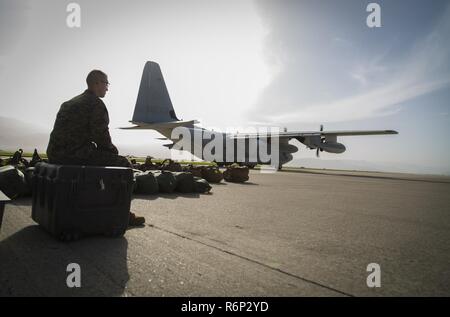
[(99, 128)]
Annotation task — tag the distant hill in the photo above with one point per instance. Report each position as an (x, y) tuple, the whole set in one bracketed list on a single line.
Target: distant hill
[(15, 134)]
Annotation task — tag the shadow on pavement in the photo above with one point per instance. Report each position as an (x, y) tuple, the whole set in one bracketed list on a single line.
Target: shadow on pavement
[(32, 263), (247, 183), (22, 201), (173, 195)]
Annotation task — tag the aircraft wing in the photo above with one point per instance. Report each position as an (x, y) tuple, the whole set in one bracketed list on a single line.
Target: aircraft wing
[(296, 134)]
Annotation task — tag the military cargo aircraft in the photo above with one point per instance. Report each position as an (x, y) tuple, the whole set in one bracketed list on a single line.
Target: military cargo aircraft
[(154, 110)]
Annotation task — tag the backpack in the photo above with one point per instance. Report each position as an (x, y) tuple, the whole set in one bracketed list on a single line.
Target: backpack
[(194, 170), (35, 159), (148, 164), (212, 174), (18, 161), (236, 174), (170, 165)]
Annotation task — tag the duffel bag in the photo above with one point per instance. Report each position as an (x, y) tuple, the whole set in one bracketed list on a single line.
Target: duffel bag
[(166, 181), (201, 185), (146, 184), (12, 182), (185, 182)]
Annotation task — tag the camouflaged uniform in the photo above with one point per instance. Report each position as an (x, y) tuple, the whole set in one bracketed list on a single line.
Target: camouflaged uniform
[(80, 135)]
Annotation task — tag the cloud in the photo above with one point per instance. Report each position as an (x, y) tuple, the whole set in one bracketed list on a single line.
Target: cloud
[(378, 102), (362, 84)]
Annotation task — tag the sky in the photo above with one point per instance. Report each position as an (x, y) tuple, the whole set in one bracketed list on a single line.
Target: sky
[(237, 63)]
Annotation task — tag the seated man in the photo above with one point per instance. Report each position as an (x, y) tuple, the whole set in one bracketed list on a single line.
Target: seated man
[(81, 136)]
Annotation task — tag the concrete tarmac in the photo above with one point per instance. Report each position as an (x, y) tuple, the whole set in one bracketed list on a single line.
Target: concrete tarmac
[(281, 234)]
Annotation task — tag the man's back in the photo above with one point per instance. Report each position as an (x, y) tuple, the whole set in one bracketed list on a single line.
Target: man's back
[(81, 126)]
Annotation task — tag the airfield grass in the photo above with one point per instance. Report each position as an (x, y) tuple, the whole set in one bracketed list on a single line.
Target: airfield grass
[(138, 159)]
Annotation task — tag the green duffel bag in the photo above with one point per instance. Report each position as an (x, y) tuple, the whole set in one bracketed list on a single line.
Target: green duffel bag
[(201, 185), (236, 174), (166, 181), (185, 182), (212, 174), (12, 182), (146, 184)]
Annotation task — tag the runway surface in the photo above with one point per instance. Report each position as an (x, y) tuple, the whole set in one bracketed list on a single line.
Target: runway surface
[(284, 234)]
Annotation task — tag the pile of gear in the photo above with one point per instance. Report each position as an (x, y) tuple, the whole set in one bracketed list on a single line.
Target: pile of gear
[(16, 173), (156, 181), (169, 176), (233, 173), (150, 177)]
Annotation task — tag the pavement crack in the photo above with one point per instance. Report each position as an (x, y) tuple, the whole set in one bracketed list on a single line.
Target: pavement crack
[(256, 262)]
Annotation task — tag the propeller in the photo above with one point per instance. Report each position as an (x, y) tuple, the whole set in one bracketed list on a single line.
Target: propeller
[(319, 149)]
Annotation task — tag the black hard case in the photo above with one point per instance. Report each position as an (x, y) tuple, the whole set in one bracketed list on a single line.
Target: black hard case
[(74, 201)]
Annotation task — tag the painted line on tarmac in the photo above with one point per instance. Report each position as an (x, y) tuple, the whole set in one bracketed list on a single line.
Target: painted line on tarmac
[(367, 176)]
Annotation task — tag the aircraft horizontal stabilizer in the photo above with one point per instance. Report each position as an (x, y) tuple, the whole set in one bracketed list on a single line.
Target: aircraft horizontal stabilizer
[(161, 125), (136, 127)]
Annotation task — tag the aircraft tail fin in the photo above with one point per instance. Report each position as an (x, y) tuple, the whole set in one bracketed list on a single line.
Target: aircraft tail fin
[(153, 104)]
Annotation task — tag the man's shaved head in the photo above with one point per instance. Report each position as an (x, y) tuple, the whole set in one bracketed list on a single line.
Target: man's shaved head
[(97, 82), (95, 76)]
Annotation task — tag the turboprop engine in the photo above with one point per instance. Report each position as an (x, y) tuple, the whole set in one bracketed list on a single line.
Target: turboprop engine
[(327, 143)]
